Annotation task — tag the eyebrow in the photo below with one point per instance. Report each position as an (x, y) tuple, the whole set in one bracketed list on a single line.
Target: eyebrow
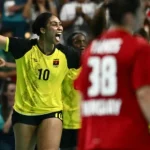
[(55, 22)]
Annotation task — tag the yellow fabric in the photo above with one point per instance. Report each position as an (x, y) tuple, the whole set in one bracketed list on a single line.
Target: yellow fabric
[(39, 82), (71, 101), (7, 44)]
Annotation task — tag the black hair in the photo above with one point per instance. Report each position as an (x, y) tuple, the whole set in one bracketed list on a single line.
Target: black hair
[(4, 30), (99, 22), (40, 22), (70, 38), (118, 8), (4, 102)]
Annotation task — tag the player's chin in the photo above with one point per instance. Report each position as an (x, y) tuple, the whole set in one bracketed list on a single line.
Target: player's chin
[(56, 41)]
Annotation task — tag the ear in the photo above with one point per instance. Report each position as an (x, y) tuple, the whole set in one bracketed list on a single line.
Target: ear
[(42, 30)]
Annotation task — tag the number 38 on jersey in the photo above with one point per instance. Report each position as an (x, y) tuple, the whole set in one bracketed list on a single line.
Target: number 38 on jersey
[(103, 76)]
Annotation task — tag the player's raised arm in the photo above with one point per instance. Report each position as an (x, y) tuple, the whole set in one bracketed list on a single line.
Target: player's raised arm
[(3, 42)]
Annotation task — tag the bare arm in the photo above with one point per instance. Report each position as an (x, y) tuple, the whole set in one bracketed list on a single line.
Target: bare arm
[(3, 41), (8, 74), (27, 9), (86, 18), (79, 12), (64, 17), (4, 63), (53, 8), (8, 123), (143, 96), (16, 8), (67, 24), (10, 65)]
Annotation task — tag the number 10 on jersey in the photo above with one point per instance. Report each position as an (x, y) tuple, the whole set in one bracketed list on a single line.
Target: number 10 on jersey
[(44, 74), (103, 76)]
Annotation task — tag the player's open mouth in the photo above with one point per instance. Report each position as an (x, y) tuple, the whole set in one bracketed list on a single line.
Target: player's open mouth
[(58, 36)]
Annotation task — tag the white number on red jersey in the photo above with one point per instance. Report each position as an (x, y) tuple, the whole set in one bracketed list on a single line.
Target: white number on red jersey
[(103, 76)]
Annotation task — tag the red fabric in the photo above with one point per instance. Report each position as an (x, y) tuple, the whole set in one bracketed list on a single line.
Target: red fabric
[(127, 129), (13, 78), (148, 13)]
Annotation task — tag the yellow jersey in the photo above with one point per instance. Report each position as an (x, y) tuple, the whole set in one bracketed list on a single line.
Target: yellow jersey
[(71, 101), (39, 76)]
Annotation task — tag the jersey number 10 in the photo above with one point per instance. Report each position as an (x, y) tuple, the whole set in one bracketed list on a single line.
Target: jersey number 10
[(103, 76), (44, 74)]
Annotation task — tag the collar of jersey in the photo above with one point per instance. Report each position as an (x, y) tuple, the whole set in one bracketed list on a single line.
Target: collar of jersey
[(44, 53)]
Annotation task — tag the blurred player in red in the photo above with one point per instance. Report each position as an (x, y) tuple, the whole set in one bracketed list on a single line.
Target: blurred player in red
[(115, 85)]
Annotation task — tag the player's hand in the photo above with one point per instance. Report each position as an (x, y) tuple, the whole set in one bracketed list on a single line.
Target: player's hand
[(79, 11), (13, 8), (7, 125), (2, 62)]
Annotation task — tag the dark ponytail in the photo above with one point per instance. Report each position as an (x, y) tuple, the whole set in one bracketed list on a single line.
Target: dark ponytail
[(40, 22), (98, 23)]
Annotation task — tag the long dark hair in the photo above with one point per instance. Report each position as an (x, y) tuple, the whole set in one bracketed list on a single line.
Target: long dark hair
[(40, 22), (5, 108), (118, 8), (98, 24)]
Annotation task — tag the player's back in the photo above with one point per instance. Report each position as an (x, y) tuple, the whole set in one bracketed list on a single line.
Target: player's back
[(113, 69)]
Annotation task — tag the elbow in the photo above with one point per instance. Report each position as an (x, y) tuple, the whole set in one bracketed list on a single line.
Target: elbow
[(26, 14)]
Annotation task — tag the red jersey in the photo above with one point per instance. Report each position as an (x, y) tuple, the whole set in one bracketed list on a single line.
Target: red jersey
[(114, 66)]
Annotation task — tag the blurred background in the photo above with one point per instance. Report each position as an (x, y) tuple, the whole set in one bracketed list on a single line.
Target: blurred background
[(16, 18)]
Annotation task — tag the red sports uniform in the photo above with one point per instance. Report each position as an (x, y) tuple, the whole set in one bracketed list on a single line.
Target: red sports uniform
[(114, 65)]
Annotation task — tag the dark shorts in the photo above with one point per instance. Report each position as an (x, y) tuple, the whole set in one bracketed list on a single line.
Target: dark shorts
[(69, 138), (34, 120)]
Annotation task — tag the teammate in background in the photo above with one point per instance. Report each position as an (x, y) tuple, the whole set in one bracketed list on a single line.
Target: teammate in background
[(71, 98), (41, 68), (115, 85)]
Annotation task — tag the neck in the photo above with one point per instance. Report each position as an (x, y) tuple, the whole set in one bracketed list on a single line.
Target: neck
[(46, 47), (125, 28)]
